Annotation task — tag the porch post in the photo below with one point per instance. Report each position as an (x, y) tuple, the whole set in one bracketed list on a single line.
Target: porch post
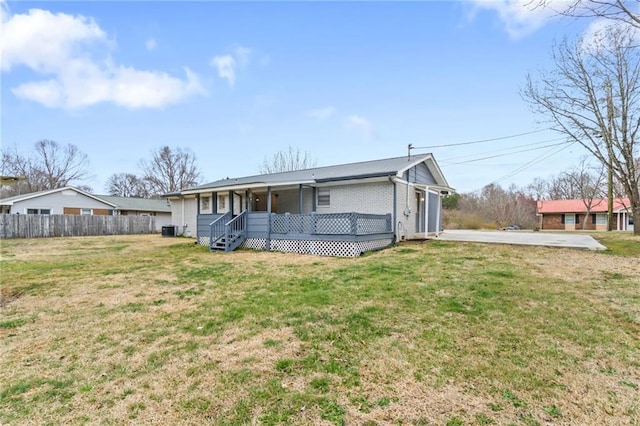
[(197, 203), (231, 202), (214, 202), (300, 199), (426, 212), (438, 212), (247, 200), (314, 195), (618, 221), (267, 244)]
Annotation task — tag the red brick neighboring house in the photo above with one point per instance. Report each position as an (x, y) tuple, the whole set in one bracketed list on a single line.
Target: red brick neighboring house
[(569, 215)]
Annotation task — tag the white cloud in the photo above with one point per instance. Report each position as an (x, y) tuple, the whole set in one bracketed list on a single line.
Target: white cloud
[(361, 125), (228, 65), (75, 52), (43, 41), (520, 17), (242, 55), (321, 114), (151, 44), (48, 93)]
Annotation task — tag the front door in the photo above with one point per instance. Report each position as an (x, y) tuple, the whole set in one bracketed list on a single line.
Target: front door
[(419, 212)]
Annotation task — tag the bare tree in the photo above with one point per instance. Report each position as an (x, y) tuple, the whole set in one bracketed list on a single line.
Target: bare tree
[(538, 189), (588, 182), (128, 185), (50, 166), (561, 188), (287, 161), (593, 97), (619, 10), (499, 206), (574, 184), (170, 170)]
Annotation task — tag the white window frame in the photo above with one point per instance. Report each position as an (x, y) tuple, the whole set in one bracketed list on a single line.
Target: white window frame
[(324, 197), (570, 219), (222, 203), (37, 211), (205, 204), (86, 212)]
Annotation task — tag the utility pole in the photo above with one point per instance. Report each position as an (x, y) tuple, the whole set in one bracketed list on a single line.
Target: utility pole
[(609, 142)]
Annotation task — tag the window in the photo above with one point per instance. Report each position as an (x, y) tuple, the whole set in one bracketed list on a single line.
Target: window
[(570, 219), (85, 212), (221, 202), (601, 219), (38, 211), (324, 197), (205, 203)]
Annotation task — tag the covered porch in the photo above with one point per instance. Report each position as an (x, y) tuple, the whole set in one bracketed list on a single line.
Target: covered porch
[(334, 234)]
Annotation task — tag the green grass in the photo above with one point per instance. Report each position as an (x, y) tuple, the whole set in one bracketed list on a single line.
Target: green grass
[(146, 328), (619, 243)]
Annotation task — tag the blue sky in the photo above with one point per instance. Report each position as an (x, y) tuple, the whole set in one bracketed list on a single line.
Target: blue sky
[(237, 82)]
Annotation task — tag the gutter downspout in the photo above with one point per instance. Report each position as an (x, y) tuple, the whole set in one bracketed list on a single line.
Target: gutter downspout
[(395, 208), (184, 226)]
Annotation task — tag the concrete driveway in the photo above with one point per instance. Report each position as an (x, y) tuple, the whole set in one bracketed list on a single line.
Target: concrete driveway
[(523, 238)]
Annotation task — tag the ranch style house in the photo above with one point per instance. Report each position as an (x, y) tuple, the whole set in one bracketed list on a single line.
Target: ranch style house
[(69, 200), (341, 210), (569, 215)]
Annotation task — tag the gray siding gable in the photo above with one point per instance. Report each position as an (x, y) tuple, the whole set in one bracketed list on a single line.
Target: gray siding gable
[(419, 173)]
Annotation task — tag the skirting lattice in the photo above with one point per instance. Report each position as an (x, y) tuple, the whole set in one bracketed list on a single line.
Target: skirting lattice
[(317, 248), (328, 248), (254, 243)]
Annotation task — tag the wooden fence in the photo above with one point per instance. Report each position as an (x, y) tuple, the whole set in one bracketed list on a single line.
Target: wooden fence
[(58, 225)]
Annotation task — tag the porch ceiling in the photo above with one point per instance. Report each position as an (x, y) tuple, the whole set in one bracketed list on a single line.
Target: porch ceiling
[(283, 186), (438, 188)]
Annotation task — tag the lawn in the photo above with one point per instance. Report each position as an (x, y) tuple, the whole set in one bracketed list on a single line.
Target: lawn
[(151, 330)]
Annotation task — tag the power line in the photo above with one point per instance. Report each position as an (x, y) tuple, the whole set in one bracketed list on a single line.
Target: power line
[(536, 160), (528, 145), (506, 154), (479, 141)]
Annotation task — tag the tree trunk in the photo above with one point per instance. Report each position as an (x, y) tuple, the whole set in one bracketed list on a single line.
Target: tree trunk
[(635, 206), (585, 221)]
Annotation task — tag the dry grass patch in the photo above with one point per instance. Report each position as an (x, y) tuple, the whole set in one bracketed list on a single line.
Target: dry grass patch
[(151, 330)]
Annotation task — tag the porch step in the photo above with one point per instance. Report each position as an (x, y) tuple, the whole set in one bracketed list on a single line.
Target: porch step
[(222, 245)]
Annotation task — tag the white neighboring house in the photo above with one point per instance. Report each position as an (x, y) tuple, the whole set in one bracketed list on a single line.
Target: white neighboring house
[(73, 201)]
